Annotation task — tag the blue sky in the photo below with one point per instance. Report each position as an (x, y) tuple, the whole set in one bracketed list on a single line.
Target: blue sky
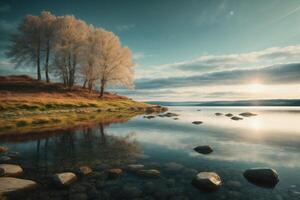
[(190, 50)]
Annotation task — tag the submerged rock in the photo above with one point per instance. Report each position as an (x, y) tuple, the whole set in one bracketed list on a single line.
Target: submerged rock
[(10, 185), (265, 177), (206, 149), (218, 114), (197, 122), (3, 149), (229, 115), (207, 181), (247, 114), (134, 167), (12, 154), (83, 171), (174, 167), (175, 118), (149, 117), (236, 118), (11, 170), (149, 173), (64, 179), (5, 158), (114, 173)]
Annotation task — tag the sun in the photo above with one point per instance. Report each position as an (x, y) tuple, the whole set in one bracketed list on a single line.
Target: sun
[(255, 88)]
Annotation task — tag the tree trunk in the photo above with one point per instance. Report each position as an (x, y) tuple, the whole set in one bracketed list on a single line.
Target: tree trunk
[(84, 84), (102, 88), (47, 61), (39, 77)]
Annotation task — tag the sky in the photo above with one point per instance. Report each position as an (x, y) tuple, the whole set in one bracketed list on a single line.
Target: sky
[(188, 50)]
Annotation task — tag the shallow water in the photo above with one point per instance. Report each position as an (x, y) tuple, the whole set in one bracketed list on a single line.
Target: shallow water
[(270, 139)]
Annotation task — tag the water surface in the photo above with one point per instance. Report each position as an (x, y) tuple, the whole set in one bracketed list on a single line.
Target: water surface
[(270, 139)]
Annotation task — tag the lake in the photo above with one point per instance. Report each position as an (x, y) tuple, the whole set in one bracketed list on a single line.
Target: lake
[(270, 139)]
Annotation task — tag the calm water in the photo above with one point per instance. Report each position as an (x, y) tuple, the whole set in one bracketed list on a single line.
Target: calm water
[(270, 139)]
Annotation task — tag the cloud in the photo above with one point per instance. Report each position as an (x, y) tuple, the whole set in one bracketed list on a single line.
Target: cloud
[(125, 27), (276, 74), (266, 57)]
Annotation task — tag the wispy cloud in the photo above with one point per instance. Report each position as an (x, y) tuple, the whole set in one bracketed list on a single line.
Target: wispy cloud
[(125, 27), (276, 74)]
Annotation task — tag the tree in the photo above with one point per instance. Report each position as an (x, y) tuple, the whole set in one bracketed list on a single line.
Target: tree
[(112, 63), (47, 27), (70, 36), (26, 45)]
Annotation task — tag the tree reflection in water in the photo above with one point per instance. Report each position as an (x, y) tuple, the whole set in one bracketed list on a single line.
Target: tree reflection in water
[(68, 149)]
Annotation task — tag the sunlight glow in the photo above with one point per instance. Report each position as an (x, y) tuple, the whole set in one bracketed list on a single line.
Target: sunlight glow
[(256, 88)]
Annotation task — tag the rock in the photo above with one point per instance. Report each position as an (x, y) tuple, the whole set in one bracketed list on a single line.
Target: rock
[(169, 114), (236, 118), (135, 167), (10, 185), (83, 171), (229, 115), (3, 149), (64, 179), (207, 181), (149, 117), (173, 167), (175, 118), (264, 177), (114, 173), (11, 170), (247, 114), (218, 114), (199, 110), (197, 122), (203, 149), (149, 173), (4, 158), (12, 154)]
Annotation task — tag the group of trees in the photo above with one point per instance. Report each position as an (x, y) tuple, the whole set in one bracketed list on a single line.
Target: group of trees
[(69, 48)]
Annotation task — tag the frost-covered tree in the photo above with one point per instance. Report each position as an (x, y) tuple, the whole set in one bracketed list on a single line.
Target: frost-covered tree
[(47, 21), (111, 62), (70, 36), (26, 44)]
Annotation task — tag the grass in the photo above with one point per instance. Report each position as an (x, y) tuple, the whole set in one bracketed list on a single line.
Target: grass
[(27, 105)]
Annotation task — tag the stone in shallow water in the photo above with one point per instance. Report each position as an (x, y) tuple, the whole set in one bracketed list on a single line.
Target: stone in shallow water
[(114, 173), (236, 118), (218, 114), (84, 170), (4, 158), (11, 170), (197, 122), (64, 179), (247, 114), (10, 185), (203, 149), (149, 173), (229, 115), (134, 167), (264, 177), (207, 181), (174, 167), (3, 149)]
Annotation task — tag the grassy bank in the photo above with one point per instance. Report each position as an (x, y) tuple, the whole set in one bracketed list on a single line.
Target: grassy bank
[(27, 105)]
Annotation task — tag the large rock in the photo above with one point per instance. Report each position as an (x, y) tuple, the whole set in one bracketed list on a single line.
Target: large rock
[(264, 177), (10, 185), (203, 149), (64, 179), (11, 170), (207, 181), (149, 173), (229, 115)]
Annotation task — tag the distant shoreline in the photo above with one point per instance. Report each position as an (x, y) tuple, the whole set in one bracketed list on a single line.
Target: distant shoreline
[(260, 102)]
